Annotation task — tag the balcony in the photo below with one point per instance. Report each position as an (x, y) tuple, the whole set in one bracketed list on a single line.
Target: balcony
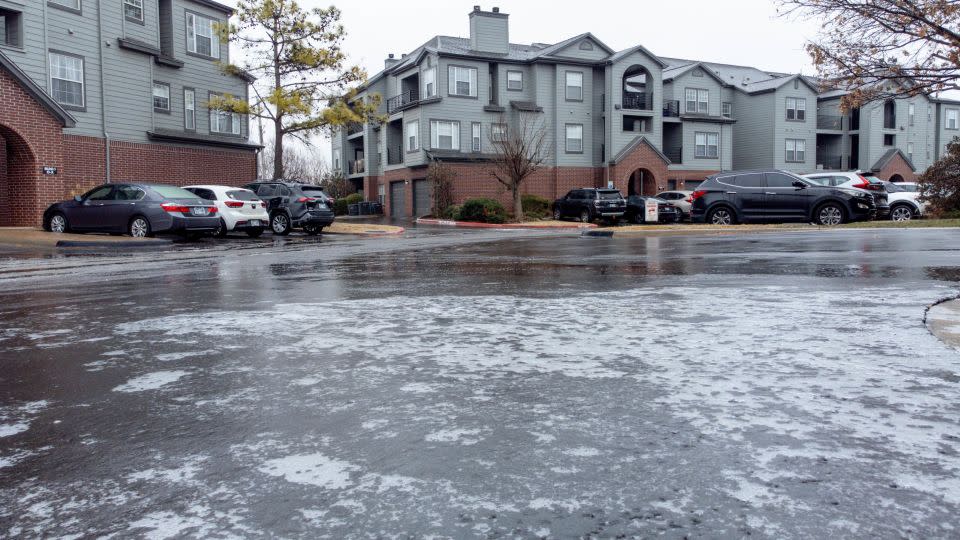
[(830, 162), (395, 155), (353, 128), (638, 101), (830, 121), (406, 99), (358, 167), (675, 154), (671, 108)]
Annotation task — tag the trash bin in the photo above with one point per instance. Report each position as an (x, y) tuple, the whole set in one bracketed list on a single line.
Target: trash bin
[(366, 208), (377, 208), (353, 209)]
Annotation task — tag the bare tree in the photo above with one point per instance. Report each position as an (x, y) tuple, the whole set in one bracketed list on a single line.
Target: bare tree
[(336, 185), (520, 149), (300, 164), (441, 178), (879, 49)]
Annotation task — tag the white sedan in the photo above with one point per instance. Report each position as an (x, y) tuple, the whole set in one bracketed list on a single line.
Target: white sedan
[(240, 209)]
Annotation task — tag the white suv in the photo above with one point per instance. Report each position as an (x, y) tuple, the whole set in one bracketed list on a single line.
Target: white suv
[(904, 203), (240, 209), (859, 180), (680, 199)]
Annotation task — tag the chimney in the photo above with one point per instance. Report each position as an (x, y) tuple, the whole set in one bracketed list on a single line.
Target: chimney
[(489, 31), (390, 61)]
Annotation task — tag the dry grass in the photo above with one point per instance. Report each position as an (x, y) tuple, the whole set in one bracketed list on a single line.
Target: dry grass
[(340, 227)]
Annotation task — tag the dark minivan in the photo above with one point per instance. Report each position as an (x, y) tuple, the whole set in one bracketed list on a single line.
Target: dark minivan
[(292, 205), (754, 196), (588, 204)]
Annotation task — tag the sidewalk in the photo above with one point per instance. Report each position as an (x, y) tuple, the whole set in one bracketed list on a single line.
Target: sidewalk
[(943, 320), (29, 237)]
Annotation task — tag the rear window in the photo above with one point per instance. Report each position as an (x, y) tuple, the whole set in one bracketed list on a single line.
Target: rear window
[(312, 189), (171, 192), (610, 195), (242, 195)]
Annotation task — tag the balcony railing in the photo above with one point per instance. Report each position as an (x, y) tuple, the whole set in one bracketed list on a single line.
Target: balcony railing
[(675, 154), (395, 155), (354, 127), (407, 97), (829, 121), (358, 167), (638, 101), (830, 162), (671, 108)]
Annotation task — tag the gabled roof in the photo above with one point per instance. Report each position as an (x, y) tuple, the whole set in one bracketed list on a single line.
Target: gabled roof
[(640, 139), (215, 5), (672, 72), (627, 52), (557, 47), (888, 156), (773, 84), (37, 93)]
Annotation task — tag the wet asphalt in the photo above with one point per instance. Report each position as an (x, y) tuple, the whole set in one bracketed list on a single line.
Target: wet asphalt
[(463, 384)]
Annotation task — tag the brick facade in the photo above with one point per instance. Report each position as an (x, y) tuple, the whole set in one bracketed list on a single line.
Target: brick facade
[(897, 165)]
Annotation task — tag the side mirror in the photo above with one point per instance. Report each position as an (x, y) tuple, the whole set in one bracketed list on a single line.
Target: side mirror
[(78, 198), (799, 185)]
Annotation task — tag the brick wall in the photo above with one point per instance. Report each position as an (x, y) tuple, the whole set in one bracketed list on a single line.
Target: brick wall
[(899, 166), (642, 157)]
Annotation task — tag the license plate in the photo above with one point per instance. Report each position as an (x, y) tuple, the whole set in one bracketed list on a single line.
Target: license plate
[(254, 223), (198, 211)]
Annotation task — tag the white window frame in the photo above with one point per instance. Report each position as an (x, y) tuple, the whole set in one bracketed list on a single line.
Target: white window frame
[(135, 4), (574, 135), (518, 80), (700, 97), (189, 109), (498, 131), (706, 145), (476, 136), (217, 120), (461, 74), (797, 148), (81, 82), (726, 109), (165, 89), (412, 136), (571, 77), (799, 105), (951, 119), (69, 4), (910, 150), (911, 113), (429, 82), (195, 22), (437, 127)]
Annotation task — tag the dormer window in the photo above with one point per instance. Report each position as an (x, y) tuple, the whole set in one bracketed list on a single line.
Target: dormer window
[(586, 46)]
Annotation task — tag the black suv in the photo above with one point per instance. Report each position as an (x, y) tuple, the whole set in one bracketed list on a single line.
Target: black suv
[(743, 196), (588, 204), (292, 205)]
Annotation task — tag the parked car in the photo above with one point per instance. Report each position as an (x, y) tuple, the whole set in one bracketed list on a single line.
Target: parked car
[(291, 205), (858, 180), (772, 195), (908, 186), (680, 199), (239, 209), (636, 210), (588, 204), (137, 209), (904, 204)]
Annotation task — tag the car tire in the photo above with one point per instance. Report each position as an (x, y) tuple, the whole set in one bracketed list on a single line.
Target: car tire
[(58, 223), (829, 215), (557, 214), (637, 218), (280, 224), (221, 229), (585, 216), (254, 233), (139, 227), (721, 215), (901, 212)]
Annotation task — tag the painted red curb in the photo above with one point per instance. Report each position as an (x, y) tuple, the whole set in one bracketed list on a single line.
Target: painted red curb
[(478, 225)]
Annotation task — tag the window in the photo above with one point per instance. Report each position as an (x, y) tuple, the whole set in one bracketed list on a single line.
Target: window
[(697, 73), (889, 139), (66, 79), (951, 115), (780, 180), (796, 109), (462, 81), (413, 136), (133, 10), (796, 150), (69, 4), (475, 131), (189, 109), (586, 46), (727, 110), (910, 151), (750, 180), (161, 97), (697, 100), (911, 113), (444, 135), (10, 28), (706, 145), (574, 138), (514, 80), (101, 193), (498, 132), (430, 82), (201, 37), (128, 193), (574, 82), (225, 122)]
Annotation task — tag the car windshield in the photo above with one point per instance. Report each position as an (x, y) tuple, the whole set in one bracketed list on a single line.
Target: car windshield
[(171, 192), (609, 195), (242, 195)]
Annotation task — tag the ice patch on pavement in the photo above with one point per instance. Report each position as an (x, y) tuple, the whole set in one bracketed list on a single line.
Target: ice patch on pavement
[(311, 469), (151, 381), (462, 436), (163, 525), (16, 418)]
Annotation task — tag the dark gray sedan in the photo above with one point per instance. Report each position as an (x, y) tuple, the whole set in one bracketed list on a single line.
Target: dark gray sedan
[(139, 210)]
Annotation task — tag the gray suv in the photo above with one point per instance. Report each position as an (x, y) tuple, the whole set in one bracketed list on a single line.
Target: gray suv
[(293, 206)]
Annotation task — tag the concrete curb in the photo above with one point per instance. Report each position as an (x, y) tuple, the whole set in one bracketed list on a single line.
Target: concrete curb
[(943, 321), (478, 225), (123, 245)]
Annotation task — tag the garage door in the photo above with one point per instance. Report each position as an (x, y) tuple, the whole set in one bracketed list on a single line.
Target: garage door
[(398, 199), (421, 198)]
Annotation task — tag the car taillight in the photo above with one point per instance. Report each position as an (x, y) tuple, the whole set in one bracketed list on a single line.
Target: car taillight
[(864, 183), (234, 204), (696, 195), (170, 207), (305, 199), (211, 210)]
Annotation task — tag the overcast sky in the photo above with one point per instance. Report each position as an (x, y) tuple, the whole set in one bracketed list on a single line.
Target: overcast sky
[(746, 32)]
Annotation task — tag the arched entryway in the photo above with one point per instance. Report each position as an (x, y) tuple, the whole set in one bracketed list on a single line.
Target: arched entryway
[(19, 176), (896, 178), (642, 182)]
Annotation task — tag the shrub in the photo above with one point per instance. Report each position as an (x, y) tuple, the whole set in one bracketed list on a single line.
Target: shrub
[(354, 198), (340, 206), (451, 212), (535, 207), (939, 186), (483, 210)]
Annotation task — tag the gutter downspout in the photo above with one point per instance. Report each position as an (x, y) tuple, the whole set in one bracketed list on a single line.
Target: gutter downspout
[(103, 99)]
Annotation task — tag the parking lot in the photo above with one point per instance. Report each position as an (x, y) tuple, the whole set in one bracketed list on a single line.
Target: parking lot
[(498, 383)]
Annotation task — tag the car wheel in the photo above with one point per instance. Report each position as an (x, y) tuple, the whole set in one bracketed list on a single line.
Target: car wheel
[(280, 224), (221, 229), (58, 223), (557, 214), (585, 216), (254, 233), (312, 230), (638, 218), (721, 216), (139, 227), (901, 212), (829, 215)]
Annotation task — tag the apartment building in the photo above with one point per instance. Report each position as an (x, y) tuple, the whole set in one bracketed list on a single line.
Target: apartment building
[(100, 90), (631, 119)]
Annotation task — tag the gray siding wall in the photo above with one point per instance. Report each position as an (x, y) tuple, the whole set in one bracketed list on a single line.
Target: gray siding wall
[(573, 112), (703, 82), (617, 137), (805, 130), (723, 162), (595, 52), (753, 131), (489, 33), (944, 135)]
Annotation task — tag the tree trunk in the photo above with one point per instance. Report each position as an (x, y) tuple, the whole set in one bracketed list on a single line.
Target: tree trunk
[(517, 203), (277, 151)]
